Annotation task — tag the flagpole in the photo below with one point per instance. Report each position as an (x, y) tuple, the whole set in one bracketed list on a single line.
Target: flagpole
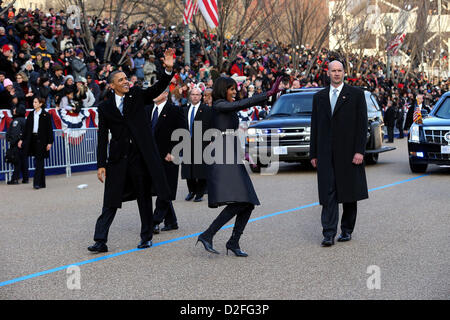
[(187, 43)]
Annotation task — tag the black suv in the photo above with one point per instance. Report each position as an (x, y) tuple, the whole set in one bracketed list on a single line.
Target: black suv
[(289, 120), (429, 142)]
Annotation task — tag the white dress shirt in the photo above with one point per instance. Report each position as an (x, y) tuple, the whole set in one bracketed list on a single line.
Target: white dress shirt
[(190, 111), (36, 120), (339, 89), (159, 107), (118, 100)]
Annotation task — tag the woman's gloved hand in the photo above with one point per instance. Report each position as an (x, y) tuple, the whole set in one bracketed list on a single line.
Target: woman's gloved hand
[(275, 88)]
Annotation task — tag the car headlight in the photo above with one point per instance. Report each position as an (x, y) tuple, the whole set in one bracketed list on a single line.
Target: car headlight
[(308, 129), (251, 131), (414, 133)]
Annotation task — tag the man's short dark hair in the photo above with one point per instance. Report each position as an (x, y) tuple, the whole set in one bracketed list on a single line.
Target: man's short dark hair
[(112, 75)]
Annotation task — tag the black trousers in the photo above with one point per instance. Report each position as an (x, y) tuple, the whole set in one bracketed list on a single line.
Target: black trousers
[(330, 213), (136, 173), (242, 211), (390, 133), (39, 172), (164, 211), (21, 166), (197, 186)]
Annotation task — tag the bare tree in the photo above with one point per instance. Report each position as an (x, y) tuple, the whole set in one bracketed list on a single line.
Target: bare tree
[(238, 20)]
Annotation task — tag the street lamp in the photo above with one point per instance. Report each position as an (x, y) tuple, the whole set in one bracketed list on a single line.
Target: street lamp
[(388, 23)]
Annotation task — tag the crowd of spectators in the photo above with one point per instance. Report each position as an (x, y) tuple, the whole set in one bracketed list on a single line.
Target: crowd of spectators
[(43, 54)]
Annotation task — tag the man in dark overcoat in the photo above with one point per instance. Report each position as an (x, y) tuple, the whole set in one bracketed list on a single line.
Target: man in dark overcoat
[(133, 163), (197, 115), (165, 118), (338, 141)]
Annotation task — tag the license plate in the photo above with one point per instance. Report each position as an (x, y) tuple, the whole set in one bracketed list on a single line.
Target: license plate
[(279, 150), (445, 149)]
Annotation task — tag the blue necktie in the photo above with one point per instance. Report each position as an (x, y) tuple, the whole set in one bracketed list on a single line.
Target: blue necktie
[(191, 124), (155, 118), (121, 106), (334, 98)]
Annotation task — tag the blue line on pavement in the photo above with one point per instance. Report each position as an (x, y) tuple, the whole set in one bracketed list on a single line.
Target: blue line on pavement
[(109, 256)]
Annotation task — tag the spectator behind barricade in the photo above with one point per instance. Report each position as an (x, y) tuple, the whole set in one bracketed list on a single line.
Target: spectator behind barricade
[(66, 43), (57, 83), (42, 49), (13, 39), (207, 97), (28, 68), (50, 41), (139, 63), (22, 82), (46, 71), (67, 102), (43, 91), (83, 97), (94, 87), (38, 62), (13, 135), (6, 94), (79, 68), (7, 61), (238, 67), (3, 37), (92, 61)]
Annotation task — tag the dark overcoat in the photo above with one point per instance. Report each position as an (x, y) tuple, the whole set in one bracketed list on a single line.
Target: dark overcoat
[(189, 170), (170, 119), (44, 135), (229, 182), (335, 138), (132, 125)]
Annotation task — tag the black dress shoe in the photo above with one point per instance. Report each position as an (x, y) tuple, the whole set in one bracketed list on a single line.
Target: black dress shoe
[(198, 198), (344, 237), (98, 247), (327, 242), (207, 244), (13, 182), (25, 181), (156, 229), (36, 187), (169, 227), (190, 196), (237, 252), (145, 244)]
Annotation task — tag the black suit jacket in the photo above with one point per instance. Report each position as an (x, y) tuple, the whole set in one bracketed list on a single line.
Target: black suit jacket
[(335, 138), (170, 119), (132, 125), (189, 170), (44, 135)]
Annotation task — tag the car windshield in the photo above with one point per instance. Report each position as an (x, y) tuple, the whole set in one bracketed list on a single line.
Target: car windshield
[(292, 104), (444, 110)]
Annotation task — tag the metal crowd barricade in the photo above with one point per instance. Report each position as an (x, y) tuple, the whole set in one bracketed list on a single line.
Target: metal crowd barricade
[(71, 147)]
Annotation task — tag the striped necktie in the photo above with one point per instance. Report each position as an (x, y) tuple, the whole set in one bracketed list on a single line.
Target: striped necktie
[(121, 105)]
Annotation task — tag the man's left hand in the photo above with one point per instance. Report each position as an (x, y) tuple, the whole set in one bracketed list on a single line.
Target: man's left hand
[(169, 158), (358, 158), (168, 59)]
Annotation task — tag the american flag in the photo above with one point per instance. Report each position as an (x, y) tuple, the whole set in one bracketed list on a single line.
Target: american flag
[(210, 12), (395, 44), (417, 117), (190, 10)]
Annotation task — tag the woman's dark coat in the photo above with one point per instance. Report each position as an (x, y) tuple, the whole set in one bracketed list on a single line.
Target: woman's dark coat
[(230, 182)]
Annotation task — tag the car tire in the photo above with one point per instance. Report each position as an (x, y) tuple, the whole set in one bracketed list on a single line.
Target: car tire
[(371, 158), (418, 168)]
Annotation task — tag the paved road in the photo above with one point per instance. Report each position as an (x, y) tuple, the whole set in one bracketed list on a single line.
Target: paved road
[(403, 229)]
